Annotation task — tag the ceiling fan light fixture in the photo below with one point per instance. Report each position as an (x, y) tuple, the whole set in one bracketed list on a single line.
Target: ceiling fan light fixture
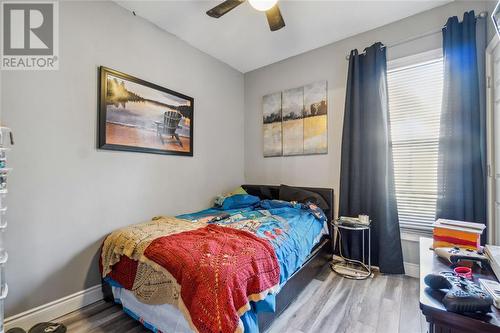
[(263, 5)]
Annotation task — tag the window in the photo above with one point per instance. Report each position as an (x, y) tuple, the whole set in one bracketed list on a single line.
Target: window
[(415, 98)]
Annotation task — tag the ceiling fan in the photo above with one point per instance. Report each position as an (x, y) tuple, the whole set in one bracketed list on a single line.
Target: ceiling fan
[(271, 8)]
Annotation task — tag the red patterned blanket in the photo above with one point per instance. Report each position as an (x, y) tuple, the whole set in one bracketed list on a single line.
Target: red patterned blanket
[(218, 270)]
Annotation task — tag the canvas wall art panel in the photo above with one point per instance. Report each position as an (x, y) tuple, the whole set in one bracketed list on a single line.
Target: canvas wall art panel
[(293, 121), (271, 117), (136, 115), (315, 118)]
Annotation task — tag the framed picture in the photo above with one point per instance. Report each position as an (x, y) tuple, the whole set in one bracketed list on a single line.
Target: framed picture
[(136, 115)]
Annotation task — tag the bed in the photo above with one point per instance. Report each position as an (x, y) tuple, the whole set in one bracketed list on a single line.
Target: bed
[(300, 236)]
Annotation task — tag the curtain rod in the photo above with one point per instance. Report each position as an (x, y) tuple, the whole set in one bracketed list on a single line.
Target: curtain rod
[(427, 34)]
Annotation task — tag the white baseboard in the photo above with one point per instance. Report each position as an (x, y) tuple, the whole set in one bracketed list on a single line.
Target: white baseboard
[(54, 309), (412, 270)]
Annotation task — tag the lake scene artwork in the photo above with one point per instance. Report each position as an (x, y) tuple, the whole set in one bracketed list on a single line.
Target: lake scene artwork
[(304, 121), (136, 115), (271, 113)]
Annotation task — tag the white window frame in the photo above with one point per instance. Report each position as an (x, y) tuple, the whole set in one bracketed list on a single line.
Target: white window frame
[(493, 230), (400, 64)]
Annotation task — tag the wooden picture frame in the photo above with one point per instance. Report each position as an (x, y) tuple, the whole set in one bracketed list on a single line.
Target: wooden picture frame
[(139, 116)]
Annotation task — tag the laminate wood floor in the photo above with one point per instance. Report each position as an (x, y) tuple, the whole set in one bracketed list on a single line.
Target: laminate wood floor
[(384, 304)]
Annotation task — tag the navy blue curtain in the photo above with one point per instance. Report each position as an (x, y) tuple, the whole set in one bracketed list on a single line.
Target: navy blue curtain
[(462, 152), (367, 174)]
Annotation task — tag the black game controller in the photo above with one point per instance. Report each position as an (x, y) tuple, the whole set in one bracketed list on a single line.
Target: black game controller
[(463, 296)]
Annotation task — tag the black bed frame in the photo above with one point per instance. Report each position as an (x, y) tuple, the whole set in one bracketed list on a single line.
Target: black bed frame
[(314, 263), (319, 256)]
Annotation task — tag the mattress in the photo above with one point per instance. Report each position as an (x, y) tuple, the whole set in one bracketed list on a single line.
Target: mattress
[(292, 230), (160, 318)]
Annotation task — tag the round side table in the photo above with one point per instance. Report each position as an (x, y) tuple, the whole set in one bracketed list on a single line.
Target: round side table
[(350, 268)]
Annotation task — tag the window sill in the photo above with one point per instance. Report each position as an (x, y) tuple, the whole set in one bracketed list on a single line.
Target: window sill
[(411, 235)]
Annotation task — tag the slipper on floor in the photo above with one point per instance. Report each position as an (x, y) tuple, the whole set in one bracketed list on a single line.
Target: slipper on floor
[(48, 328), (16, 330)]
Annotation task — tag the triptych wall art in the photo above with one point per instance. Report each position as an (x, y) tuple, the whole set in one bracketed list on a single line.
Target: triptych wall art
[(295, 121)]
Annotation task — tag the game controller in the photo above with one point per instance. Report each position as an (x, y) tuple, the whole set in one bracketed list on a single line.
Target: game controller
[(463, 296), (455, 254)]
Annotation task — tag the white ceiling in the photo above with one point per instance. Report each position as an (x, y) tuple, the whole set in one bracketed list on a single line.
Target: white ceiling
[(242, 38)]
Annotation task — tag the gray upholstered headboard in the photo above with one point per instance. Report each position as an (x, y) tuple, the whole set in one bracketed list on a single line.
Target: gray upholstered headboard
[(272, 192)]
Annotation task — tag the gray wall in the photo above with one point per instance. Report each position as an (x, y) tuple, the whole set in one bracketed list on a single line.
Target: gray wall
[(65, 195), (329, 63)]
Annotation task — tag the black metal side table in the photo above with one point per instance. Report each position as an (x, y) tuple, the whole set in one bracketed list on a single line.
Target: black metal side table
[(350, 268)]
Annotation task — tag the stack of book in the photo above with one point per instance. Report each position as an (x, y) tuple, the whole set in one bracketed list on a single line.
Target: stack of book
[(493, 253), (450, 233)]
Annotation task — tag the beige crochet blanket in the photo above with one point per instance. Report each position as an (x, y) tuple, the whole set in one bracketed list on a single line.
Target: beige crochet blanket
[(131, 241), (150, 286)]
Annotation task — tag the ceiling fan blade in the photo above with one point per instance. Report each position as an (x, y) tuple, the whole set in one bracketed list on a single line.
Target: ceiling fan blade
[(274, 18), (224, 7)]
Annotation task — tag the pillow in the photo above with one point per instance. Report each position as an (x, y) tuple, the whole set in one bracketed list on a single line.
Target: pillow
[(290, 193), (219, 200), (239, 201), (238, 190), (270, 204), (265, 193)]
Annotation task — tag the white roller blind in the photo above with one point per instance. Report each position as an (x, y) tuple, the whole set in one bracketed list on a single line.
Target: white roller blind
[(415, 98)]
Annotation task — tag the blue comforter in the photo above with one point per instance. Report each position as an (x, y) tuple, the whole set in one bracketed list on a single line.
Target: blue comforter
[(292, 229)]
